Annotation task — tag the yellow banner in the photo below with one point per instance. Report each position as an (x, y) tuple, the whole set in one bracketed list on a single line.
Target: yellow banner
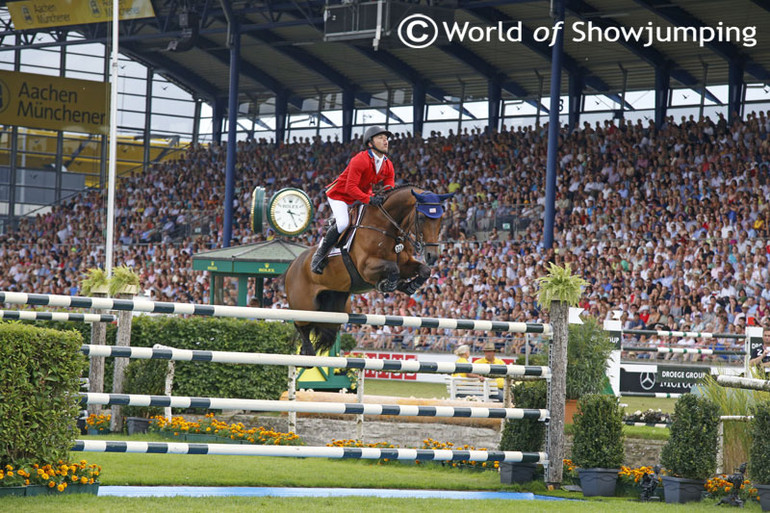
[(34, 14), (40, 101)]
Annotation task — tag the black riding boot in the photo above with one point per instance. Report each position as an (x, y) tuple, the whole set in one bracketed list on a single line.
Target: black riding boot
[(319, 258)]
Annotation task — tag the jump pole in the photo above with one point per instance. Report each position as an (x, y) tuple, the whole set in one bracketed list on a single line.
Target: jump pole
[(293, 451), (217, 403), (243, 312), (28, 315), (407, 366)]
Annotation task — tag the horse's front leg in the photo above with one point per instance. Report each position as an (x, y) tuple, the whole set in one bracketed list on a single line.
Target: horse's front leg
[(413, 274), (384, 273)]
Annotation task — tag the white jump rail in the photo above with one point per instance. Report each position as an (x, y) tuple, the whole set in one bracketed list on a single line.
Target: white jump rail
[(747, 383), (216, 403), (408, 366), (27, 315), (243, 312), (292, 451)]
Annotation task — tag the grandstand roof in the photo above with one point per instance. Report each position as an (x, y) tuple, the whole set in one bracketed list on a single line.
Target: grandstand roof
[(283, 50)]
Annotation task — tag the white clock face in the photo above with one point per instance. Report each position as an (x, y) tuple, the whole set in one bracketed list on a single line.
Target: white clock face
[(290, 212)]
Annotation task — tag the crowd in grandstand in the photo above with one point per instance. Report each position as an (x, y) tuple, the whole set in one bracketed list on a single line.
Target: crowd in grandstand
[(669, 225)]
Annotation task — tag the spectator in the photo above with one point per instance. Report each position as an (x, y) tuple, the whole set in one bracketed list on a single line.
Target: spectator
[(491, 358)]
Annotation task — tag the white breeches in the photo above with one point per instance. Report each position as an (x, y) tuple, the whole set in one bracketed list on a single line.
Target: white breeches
[(340, 212)]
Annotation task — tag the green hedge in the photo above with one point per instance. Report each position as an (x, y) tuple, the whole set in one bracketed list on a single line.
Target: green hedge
[(598, 433), (527, 435), (759, 463), (205, 379), (39, 382), (200, 378), (691, 450)]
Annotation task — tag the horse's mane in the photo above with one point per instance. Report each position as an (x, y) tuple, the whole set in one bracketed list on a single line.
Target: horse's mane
[(398, 188)]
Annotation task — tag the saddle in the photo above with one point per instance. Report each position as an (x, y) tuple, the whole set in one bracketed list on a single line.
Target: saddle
[(355, 212), (357, 283)]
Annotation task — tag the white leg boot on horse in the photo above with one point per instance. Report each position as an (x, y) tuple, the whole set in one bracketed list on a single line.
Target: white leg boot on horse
[(319, 258)]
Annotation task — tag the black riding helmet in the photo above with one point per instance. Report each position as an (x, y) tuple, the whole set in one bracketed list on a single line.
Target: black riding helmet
[(373, 131)]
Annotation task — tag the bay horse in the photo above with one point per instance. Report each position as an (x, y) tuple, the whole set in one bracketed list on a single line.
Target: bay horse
[(382, 257)]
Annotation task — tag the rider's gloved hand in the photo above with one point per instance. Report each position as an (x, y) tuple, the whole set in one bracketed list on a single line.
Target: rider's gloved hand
[(376, 201)]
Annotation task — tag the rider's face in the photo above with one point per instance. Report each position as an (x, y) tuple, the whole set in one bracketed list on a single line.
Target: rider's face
[(380, 143)]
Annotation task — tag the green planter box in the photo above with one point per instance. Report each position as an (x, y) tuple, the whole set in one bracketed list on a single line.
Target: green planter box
[(181, 437), (202, 438), (18, 491), (36, 490)]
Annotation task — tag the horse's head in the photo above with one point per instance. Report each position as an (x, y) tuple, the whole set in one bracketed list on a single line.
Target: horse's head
[(429, 209)]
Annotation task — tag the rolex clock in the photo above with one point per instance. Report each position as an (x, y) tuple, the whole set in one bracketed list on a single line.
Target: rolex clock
[(258, 209), (290, 212)]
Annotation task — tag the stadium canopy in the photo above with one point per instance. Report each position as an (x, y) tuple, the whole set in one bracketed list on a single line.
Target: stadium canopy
[(285, 64)]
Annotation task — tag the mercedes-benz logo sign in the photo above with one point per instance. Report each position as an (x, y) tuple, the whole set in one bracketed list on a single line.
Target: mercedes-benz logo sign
[(417, 31), (647, 380)]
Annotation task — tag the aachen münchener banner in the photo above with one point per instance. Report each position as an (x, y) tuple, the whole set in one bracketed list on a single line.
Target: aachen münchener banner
[(54, 103), (35, 14)]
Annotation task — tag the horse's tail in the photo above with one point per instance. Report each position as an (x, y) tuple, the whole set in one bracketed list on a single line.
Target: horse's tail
[(326, 334)]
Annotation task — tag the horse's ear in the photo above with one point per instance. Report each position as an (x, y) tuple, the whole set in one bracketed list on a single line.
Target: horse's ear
[(444, 197), (420, 197)]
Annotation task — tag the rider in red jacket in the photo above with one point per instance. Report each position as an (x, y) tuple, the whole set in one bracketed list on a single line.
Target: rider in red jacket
[(365, 169)]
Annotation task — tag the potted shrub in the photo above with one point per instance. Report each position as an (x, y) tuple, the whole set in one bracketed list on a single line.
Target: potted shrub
[(124, 281), (587, 353), (759, 455), (597, 448), (146, 377), (690, 455), (96, 282), (526, 435)]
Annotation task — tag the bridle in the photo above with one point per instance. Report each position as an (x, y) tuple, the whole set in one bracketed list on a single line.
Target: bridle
[(415, 238)]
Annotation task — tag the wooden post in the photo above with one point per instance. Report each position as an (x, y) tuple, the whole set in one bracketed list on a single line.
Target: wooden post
[(168, 388), (360, 396), (557, 392), (119, 374), (292, 389), (96, 363)]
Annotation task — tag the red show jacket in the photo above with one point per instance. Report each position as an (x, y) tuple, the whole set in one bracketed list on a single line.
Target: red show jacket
[(355, 183)]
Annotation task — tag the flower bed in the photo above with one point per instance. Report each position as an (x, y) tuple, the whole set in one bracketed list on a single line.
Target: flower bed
[(719, 486), (212, 430), (648, 417), (428, 443), (98, 424), (44, 479)]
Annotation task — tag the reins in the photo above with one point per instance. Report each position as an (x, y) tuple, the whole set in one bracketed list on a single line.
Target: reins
[(402, 234)]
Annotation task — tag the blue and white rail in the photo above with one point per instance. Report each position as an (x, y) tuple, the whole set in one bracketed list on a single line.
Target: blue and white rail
[(400, 410), (292, 451), (339, 362), (145, 305), (29, 315)]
